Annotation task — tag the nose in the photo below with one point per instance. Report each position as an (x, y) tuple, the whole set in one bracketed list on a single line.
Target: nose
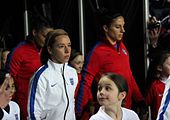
[(67, 49), (81, 65), (101, 91), (122, 29)]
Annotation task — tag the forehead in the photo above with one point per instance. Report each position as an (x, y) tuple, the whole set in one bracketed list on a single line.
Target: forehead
[(78, 57), (118, 20), (105, 80), (46, 30), (62, 39), (167, 60)]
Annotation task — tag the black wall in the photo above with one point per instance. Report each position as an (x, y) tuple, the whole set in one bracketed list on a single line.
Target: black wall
[(64, 14)]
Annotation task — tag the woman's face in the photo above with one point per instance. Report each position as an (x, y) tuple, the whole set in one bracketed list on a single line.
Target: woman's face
[(115, 31), (77, 63), (41, 35), (61, 49)]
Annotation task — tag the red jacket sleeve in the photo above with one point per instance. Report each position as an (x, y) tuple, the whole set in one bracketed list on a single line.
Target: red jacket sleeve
[(89, 71)]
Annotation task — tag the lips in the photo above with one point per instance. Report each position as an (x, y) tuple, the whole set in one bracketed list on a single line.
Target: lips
[(67, 56), (102, 98)]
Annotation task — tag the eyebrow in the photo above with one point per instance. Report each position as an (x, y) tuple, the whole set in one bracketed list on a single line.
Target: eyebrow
[(105, 84)]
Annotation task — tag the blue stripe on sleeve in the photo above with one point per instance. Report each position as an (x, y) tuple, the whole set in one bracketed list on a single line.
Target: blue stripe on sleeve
[(82, 82), (167, 100), (33, 91), (9, 57)]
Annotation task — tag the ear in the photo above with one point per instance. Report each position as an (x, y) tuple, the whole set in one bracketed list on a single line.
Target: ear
[(105, 28), (159, 68), (49, 50), (122, 95), (34, 32)]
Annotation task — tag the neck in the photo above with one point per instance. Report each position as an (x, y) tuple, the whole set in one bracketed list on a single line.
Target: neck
[(114, 112), (111, 41)]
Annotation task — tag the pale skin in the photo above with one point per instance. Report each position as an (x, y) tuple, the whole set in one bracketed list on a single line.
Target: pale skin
[(164, 69), (109, 96), (4, 57), (114, 32), (61, 49), (77, 63), (7, 90)]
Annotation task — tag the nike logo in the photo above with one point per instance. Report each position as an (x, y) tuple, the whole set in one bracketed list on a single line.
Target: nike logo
[(53, 85)]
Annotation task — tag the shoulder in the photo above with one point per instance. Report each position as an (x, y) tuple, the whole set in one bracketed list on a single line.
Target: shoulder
[(157, 83), (19, 49), (71, 68), (100, 115), (13, 104), (129, 114)]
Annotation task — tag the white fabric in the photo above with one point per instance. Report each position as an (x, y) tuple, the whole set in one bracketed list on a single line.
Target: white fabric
[(50, 96), (14, 113), (127, 115), (164, 110)]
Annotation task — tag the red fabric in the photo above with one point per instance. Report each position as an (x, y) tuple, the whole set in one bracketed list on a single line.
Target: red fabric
[(154, 97), (106, 58), (86, 112), (25, 60)]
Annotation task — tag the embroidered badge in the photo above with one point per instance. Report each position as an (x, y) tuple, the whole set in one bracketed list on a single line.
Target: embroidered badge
[(124, 51), (71, 81), (16, 117)]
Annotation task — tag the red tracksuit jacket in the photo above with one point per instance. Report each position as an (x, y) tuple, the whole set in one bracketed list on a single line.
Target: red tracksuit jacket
[(154, 97), (22, 62), (104, 58)]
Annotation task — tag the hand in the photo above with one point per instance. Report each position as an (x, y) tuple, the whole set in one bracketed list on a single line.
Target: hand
[(3, 92), (142, 110), (154, 32)]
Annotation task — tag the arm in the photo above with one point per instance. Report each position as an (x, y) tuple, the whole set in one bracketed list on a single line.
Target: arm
[(36, 97), (89, 71)]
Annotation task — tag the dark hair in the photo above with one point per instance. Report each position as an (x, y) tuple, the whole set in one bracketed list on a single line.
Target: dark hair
[(49, 41), (119, 80), (3, 73), (74, 54), (159, 59), (106, 16), (37, 23)]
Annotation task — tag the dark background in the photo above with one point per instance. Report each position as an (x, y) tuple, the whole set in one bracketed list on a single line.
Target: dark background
[(64, 14)]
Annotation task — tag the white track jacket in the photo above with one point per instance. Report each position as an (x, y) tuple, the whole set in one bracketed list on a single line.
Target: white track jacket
[(51, 94), (164, 110)]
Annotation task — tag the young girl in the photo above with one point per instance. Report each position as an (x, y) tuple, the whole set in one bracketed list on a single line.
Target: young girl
[(9, 109), (112, 90), (158, 74)]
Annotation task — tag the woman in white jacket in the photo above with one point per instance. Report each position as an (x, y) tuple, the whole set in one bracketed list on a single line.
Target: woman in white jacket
[(52, 87)]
